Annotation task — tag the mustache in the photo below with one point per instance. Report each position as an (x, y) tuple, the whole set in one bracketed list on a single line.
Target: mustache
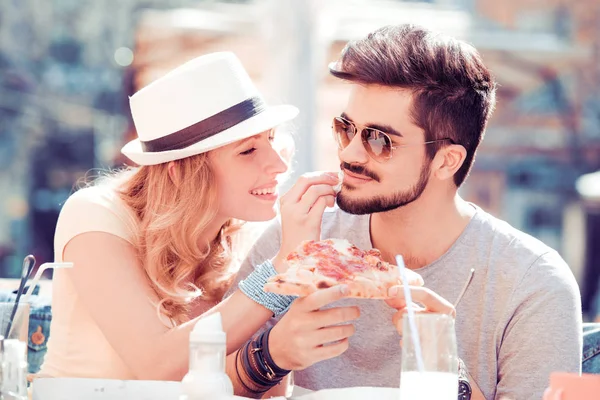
[(359, 170)]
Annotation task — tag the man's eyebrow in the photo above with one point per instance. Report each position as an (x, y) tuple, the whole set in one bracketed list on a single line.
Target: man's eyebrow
[(384, 128)]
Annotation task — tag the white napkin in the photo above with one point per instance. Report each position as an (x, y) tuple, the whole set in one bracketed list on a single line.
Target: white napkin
[(103, 389)]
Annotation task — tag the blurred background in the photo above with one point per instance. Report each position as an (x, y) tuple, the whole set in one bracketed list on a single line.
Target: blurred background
[(67, 68)]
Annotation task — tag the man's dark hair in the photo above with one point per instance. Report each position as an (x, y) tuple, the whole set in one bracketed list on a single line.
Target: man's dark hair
[(453, 92)]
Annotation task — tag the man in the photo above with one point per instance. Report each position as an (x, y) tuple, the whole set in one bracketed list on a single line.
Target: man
[(418, 108)]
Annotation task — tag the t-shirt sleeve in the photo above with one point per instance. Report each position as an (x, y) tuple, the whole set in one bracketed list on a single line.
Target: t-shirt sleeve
[(92, 209), (544, 330)]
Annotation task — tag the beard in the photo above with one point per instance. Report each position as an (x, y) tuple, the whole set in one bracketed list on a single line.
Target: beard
[(379, 204)]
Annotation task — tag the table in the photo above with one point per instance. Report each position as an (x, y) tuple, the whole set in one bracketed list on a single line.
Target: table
[(109, 389)]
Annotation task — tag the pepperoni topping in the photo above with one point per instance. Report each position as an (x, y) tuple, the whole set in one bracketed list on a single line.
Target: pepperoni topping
[(331, 269)]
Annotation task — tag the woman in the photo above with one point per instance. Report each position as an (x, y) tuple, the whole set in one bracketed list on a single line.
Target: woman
[(152, 246)]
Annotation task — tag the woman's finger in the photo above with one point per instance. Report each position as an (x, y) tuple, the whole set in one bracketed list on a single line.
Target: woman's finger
[(313, 195), (305, 182)]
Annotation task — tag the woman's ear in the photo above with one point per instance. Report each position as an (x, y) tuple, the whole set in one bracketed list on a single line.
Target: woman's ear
[(449, 160), (173, 173)]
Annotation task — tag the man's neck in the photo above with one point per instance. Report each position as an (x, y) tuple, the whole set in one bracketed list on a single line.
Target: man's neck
[(421, 231)]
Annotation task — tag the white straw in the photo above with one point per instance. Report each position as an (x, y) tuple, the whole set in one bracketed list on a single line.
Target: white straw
[(39, 273), (411, 314), (35, 280)]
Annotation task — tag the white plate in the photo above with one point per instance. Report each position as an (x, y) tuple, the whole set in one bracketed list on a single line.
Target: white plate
[(355, 393)]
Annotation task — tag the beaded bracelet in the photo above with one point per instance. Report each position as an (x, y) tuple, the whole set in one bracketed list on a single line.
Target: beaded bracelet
[(253, 285)]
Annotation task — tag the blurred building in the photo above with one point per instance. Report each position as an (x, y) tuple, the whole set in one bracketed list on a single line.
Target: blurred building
[(546, 130), (545, 54), (63, 109), (588, 188)]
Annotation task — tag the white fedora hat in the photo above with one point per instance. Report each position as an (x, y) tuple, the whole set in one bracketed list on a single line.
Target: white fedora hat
[(204, 104)]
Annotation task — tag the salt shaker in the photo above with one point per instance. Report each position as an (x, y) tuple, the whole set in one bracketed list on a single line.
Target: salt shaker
[(206, 378)]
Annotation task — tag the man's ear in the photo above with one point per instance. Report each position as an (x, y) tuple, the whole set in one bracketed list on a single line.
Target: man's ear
[(448, 161), (173, 173)]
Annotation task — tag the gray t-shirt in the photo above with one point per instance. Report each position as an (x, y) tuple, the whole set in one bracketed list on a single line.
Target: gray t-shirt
[(519, 320)]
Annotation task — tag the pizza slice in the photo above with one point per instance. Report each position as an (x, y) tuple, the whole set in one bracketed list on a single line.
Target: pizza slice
[(322, 264)]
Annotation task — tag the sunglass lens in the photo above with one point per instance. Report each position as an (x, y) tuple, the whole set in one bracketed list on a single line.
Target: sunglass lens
[(343, 131), (377, 143)]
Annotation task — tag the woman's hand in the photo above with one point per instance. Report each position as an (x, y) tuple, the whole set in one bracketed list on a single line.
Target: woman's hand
[(307, 334), (302, 210)]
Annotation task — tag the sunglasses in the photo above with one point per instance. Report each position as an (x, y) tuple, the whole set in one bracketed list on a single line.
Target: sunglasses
[(377, 143)]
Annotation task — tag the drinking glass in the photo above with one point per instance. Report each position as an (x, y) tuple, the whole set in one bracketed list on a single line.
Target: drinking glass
[(436, 376), (13, 358)]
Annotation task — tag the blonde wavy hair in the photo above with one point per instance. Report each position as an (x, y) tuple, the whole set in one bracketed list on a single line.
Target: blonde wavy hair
[(171, 218)]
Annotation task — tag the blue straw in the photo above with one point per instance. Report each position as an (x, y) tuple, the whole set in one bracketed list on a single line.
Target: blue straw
[(411, 313)]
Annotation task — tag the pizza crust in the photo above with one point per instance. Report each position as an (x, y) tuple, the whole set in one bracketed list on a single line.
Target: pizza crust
[(359, 287)]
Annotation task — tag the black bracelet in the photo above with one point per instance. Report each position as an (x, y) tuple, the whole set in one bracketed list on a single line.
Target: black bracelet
[(258, 353), (248, 368), (251, 391), (279, 372), (256, 368), (251, 373), (260, 350)]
